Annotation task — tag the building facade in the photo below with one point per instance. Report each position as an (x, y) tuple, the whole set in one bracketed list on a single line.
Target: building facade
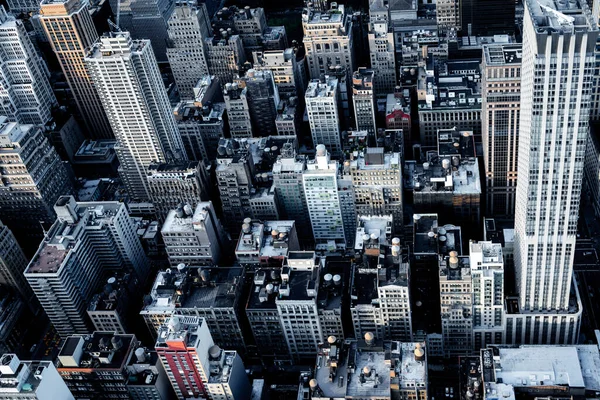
[(323, 116)]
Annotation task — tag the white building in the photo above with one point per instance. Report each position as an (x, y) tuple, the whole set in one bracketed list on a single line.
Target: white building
[(36, 380), (381, 49), (557, 69), (25, 94), (194, 237), (500, 110), (327, 39), (128, 80), (188, 27), (323, 116), (487, 277), (85, 241), (69, 27), (320, 182)]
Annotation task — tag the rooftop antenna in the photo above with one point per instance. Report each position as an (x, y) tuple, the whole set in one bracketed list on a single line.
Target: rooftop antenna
[(115, 25)]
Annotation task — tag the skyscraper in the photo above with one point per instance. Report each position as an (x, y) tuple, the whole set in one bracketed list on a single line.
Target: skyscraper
[(500, 110), (323, 115), (558, 63), (70, 30), (189, 26), (133, 94), (556, 86), (363, 99), (381, 49), (25, 93)]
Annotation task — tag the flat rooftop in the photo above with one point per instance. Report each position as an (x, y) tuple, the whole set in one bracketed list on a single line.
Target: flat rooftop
[(554, 15), (317, 88), (427, 233), (185, 224), (503, 54), (98, 351)]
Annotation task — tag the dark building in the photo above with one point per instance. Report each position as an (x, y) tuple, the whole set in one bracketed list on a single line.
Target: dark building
[(487, 17)]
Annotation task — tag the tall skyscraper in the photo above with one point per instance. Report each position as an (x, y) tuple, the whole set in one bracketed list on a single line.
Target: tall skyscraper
[(86, 240), (328, 40), (263, 100), (556, 86), (557, 69), (487, 17), (381, 49), (69, 27), (323, 117), (320, 182), (25, 93), (33, 178), (189, 26), (500, 110), (363, 99), (133, 94)]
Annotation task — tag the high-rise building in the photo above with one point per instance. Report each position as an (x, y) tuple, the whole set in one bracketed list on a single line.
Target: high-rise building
[(84, 362), (263, 100), (17, 7), (323, 117), (225, 56), (202, 122), (448, 15), (189, 26), (86, 240), (25, 94), (320, 182), (487, 276), (380, 298), (328, 40), (556, 86), (171, 184), (33, 178), (487, 17), (133, 94), (363, 100), (381, 49), (193, 236), (456, 299), (35, 380), (286, 69), (195, 366), (238, 110), (377, 181), (146, 20), (12, 265), (500, 109), (71, 32), (147, 379), (287, 180), (109, 307)]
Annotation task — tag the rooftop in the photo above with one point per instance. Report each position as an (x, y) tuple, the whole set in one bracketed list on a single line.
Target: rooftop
[(454, 142), (220, 368), (561, 16), (143, 372), (318, 88), (503, 54), (18, 376), (427, 236), (268, 239), (101, 350), (174, 169), (185, 220), (363, 79), (374, 158), (332, 16), (455, 175), (180, 328)]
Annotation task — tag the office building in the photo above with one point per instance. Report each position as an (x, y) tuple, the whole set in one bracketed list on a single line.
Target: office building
[(367, 368), (540, 371), (26, 96), (202, 122), (146, 20), (323, 116), (211, 293), (320, 183), (328, 40), (193, 235), (487, 276), (377, 180), (12, 265), (225, 56), (380, 299), (109, 307), (96, 159), (171, 184), (69, 28), (188, 27), (263, 100), (238, 110), (117, 63), (456, 300), (363, 100), (33, 178), (90, 239), (84, 362), (500, 110), (591, 171), (146, 377), (487, 17), (287, 70), (382, 50), (544, 255), (35, 380), (206, 369), (448, 15), (265, 244)]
